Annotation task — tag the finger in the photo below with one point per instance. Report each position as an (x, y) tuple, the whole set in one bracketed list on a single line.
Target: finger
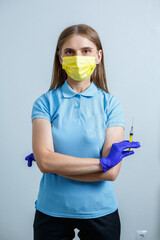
[(26, 158), (29, 163), (127, 153), (127, 141), (133, 144)]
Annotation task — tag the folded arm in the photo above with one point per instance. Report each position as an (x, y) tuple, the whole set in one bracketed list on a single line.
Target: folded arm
[(82, 169), (113, 135), (49, 161)]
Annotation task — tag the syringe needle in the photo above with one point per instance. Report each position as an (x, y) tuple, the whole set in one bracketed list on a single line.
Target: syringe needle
[(132, 120)]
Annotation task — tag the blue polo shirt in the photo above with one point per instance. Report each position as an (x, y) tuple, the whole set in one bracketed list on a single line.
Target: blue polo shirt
[(78, 122)]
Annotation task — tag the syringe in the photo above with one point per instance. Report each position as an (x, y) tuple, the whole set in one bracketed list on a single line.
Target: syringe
[(131, 133)]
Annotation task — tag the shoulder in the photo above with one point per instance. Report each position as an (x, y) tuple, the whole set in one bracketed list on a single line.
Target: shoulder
[(109, 99), (47, 98), (113, 110), (45, 105)]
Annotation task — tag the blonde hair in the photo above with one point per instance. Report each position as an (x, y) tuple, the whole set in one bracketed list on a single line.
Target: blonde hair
[(59, 75)]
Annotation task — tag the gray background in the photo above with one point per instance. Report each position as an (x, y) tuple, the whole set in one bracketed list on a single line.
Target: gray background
[(130, 35)]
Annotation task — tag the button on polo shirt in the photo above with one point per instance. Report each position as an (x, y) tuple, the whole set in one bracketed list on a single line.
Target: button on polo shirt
[(78, 123), (77, 102)]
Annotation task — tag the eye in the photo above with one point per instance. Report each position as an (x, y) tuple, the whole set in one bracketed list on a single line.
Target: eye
[(87, 51), (69, 51)]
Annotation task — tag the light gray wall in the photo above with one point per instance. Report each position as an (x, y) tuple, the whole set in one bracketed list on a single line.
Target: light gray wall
[(130, 35)]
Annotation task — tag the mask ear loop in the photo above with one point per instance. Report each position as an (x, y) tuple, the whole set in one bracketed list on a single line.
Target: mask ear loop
[(61, 58)]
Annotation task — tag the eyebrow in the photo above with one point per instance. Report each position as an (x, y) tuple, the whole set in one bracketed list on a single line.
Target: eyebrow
[(73, 49)]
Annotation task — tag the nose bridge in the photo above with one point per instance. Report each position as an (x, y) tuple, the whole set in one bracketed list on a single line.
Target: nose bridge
[(78, 53), (77, 59)]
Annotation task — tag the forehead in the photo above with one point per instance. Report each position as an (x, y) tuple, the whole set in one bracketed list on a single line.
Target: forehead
[(78, 42)]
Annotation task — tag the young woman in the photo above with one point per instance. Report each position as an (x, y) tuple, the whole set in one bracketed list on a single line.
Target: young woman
[(77, 138)]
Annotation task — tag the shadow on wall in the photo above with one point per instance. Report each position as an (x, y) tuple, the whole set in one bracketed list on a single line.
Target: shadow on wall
[(158, 220), (158, 234), (158, 217)]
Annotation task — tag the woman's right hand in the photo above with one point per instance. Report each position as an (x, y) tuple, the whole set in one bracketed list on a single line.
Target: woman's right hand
[(117, 153)]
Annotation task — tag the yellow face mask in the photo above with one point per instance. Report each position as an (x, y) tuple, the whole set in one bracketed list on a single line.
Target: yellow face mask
[(79, 68)]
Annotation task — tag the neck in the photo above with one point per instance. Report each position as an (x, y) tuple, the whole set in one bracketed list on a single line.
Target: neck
[(78, 86)]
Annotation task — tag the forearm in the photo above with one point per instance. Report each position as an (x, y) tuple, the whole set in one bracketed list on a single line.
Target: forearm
[(91, 177), (68, 165), (110, 175)]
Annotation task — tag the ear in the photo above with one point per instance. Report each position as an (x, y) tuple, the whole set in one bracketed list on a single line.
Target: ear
[(60, 59), (99, 57)]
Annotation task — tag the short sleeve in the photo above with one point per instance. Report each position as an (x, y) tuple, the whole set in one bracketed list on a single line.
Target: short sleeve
[(40, 108), (114, 113)]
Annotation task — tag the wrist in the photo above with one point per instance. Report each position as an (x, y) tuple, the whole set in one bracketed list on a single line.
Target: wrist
[(103, 164)]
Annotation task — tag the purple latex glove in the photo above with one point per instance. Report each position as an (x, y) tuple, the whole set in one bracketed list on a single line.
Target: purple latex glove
[(117, 153), (30, 158)]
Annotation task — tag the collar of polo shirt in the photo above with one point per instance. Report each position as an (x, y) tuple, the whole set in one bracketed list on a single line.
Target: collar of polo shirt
[(68, 92)]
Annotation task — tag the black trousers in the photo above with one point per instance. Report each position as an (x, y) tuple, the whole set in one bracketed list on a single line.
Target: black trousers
[(57, 228)]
